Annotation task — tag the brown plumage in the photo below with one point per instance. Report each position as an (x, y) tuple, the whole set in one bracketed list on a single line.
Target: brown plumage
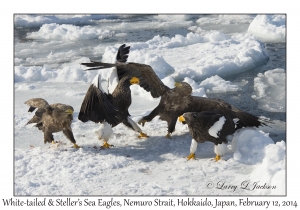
[(52, 118), (98, 106), (147, 77), (112, 108), (173, 103), (179, 100)]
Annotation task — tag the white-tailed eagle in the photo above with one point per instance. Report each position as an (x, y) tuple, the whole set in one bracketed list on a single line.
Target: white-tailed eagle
[(52, 118)]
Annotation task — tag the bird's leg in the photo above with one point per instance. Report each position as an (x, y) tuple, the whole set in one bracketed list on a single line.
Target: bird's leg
[(76, 146), (143, 135), (142, 122), (191, 156), (69, 134), (168, 135), (171, 126), (193, 149), (149, 117), (54, 143), (131, 124), (106, 145), (217, 158)]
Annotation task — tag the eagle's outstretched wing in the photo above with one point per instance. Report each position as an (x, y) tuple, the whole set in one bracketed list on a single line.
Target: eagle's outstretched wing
[(41, 105), (148, 78)]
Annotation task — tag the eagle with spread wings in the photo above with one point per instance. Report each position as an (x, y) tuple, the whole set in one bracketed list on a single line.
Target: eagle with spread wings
[(111, 109)]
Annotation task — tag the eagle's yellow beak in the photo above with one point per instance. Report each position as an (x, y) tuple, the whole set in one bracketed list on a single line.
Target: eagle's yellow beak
[(181, 119), (177, 84), (69, 111), (134, 81)]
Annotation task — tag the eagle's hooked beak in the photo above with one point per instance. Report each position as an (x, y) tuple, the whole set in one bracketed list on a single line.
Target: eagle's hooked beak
[(181, 119), (69, 111), (134, 81), (177, 84)]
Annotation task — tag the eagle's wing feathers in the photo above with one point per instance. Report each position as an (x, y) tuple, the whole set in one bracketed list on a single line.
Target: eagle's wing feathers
[(41, 105), (122, 54), (36, 103), (146, 75), (96, 108)]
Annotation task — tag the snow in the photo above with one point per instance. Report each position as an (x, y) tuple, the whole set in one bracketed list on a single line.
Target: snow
[(269, 28), (67, 32), (45, 169), (269, 90), (218, 85), (224, 57), (49, 67)]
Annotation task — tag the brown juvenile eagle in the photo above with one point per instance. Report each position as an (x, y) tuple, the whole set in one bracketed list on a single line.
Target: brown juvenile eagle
[(52, 118), (110, 109), (179, 100), (209, 126)]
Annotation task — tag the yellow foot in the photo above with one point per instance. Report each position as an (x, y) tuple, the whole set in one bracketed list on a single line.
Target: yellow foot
[(143, 135), (142, 122), (106, 145), (191, 156), (218, 157), (181, 119), (76, 146), (168, 136), (55, 143)]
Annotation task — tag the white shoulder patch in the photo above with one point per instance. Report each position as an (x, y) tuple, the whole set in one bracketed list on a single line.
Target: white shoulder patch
[(235, 120), (113, 80), (214, 130), (97, 82)]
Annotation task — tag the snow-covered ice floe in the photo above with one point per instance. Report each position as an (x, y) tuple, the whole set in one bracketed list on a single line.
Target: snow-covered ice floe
[(269, 28), (269, 90)]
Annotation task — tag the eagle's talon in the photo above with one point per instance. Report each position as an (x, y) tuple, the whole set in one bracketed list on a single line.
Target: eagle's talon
[(55, 143), (142, 122), (217, 158), (191, 156), (106, 146), (143, 135), (168, 136), (76, 146)]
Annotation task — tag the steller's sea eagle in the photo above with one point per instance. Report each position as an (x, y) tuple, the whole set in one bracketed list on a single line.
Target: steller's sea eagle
[(110, 109), (177, 101), (52, 118), (209, 126)]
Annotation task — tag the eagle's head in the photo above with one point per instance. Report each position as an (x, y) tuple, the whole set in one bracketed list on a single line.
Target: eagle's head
[(183, 87), (189, 117)]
